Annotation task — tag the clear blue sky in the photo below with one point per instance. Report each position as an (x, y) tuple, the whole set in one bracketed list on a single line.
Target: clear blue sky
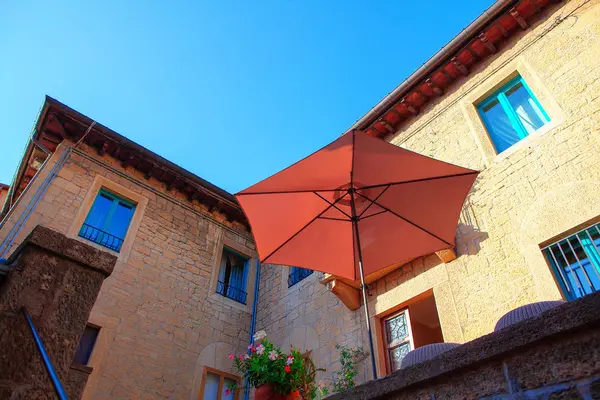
[(230, 90)]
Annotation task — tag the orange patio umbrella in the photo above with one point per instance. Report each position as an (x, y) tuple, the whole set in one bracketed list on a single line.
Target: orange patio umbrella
[(356, 206)]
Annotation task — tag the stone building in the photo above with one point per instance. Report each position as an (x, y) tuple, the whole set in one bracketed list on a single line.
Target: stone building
[(515, 95)]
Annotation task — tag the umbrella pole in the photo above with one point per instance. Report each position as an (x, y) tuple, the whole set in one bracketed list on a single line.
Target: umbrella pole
[(363, 287), (367, 319)]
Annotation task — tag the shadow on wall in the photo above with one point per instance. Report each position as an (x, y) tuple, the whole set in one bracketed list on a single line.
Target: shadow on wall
[(468, 239)]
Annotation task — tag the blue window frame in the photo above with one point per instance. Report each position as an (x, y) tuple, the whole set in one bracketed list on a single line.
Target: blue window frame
[(575, 262), (233, 276), (511, 114), (297, 274), (108, 220)]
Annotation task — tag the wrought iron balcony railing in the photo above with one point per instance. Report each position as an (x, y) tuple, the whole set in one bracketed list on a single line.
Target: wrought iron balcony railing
[(102, 238), (231, 292)]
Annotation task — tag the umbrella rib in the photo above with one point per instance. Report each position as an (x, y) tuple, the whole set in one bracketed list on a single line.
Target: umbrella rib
[(372, 215), (373, 202), (333, 205), (420, 180), (407, 220), (289, 191), (335, 219), (300, 230)]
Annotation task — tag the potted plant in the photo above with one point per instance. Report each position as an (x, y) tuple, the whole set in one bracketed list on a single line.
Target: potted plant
[(274, 374)]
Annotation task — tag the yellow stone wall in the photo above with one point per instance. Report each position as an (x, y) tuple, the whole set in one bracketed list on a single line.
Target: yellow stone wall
[(161, 320)]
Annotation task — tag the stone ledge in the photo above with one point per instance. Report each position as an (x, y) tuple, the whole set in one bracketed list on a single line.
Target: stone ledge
[(572, 316), (72, 249)]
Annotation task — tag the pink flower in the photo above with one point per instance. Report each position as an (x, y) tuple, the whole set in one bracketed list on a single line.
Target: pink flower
[(287, 369), (260, 349), (251, 348), (227, 392), (246, 356), (289, 360), (241, 357), (273, 355), (231, 357)]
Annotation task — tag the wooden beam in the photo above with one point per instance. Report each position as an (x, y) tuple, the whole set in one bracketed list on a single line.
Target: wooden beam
[(396, 113), (386, 125), (446, 255), (472, 52), (520, 20), (54, 125), (128, 160), (117, 151), (148, 173), (536, 6), (421, 94), (502, 29), (447, 75), (461, 68), (434, 88), (409, 107), (486, 42), (190, 192), (347, 294), (103, 148)]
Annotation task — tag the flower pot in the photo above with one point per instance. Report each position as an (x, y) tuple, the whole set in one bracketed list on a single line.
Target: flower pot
[(266, 392), (295, 395)]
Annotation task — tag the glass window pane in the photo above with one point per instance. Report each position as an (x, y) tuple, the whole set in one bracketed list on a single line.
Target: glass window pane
[(211, 386), (397, 354), (576, 261), (99, 211), (119, 223), (396, 328), (500, 129), (228, 383), (86, 345), (526, 108)]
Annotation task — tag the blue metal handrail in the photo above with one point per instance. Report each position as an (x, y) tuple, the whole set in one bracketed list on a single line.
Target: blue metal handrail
[(231, 292), (60, 391), (96, 235)]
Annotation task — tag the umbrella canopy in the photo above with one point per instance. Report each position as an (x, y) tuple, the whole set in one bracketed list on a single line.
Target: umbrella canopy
[(358, 197)]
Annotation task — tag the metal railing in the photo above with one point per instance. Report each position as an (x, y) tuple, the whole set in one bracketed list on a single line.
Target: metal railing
[(297, 275), (231, 292), (100, 237), (576, 261), (56, 384)]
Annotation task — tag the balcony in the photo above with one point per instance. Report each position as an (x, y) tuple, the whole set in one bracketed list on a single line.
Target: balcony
[(100, 237), (231, 292)]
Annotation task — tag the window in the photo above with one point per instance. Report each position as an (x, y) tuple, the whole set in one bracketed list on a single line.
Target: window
[(297, 274), (215, 384), (398, 339), (233, 276), (108, 220), (575, 262), (86, 345), (511, 114)]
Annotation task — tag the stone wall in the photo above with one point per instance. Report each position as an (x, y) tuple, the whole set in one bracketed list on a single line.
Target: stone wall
[(161, 320), (56, 280), (536, 191), (308, 317), (553, 356)]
